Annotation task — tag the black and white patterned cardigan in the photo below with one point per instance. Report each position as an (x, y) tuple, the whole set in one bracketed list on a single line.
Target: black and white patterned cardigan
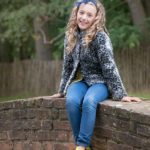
[(96, 63)]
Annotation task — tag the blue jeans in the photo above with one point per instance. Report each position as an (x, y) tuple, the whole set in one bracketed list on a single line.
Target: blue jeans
[(81, 104)]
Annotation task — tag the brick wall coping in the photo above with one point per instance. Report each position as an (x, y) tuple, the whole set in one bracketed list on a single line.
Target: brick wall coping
[(136, 107)]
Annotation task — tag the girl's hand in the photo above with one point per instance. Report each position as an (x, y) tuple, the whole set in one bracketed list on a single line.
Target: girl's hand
[(131, 99), (57, 95)]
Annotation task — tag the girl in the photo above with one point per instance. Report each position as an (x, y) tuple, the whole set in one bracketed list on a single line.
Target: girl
[(89, 73)]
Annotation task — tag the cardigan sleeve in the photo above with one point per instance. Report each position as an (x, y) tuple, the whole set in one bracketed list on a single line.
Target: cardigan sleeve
[(66, 69), (109, 68)]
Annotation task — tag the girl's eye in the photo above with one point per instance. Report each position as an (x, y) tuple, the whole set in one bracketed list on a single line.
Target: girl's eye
[(89, 15), (81, 12)]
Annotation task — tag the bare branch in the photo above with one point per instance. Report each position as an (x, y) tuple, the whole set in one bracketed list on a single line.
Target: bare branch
[(45, 41)]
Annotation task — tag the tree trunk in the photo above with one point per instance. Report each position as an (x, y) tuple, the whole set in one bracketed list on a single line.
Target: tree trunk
[(4, 51), (43, 50), (147, 7), (138, 14)]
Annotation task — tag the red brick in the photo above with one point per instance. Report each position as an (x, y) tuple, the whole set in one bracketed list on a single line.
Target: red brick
[(61, 125), (114, 146), (63, 115), (48, 146), (143, 130), (3, 135), (70, 146), (6, 146), (62, 136), (60, 146), (59, 103), (18, 146), (36, 146)]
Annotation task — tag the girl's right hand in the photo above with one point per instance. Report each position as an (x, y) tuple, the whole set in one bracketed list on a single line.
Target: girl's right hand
[(57, 95), (131, 99)]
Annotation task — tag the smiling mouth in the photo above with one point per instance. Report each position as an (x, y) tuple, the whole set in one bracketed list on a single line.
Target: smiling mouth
[(83, 23)]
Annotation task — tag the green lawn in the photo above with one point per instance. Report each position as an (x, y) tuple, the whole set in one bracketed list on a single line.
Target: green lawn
[(145, 96), (10, 98)]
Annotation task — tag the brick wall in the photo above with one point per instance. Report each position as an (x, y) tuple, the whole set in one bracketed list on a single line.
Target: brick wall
[(41, 124)]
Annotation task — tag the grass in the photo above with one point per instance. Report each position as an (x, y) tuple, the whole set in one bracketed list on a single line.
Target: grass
[(143, 95), (11, 98)]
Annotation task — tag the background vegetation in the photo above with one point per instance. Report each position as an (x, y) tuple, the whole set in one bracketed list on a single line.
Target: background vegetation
[(33, 29)]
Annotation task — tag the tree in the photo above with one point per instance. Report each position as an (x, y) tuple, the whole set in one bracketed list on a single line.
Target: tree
[(43, 49), (119, 22), (21, 26), (138, 14), (146, 4)]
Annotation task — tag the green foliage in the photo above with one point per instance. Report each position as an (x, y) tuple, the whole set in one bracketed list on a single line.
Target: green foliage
[(119, 22), (17, 31), (17, 17), (59, 46), (125, 37)]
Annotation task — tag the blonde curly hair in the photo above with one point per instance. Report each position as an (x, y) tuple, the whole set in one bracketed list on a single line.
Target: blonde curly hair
[(98, 25)]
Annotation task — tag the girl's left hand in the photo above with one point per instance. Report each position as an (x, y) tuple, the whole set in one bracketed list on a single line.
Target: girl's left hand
[(131, 99)]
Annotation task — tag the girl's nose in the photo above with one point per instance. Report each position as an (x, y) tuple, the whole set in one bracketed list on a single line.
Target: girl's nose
[(84, 17)]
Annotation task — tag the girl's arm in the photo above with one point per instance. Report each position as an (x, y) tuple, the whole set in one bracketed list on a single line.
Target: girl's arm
[(110, 70), (66, 70), (108, 66)]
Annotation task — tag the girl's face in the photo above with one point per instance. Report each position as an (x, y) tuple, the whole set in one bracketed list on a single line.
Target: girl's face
[(86, 15)]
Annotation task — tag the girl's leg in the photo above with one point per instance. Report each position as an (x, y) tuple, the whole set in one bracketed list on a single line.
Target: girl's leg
[(74, 97), (95, 94)]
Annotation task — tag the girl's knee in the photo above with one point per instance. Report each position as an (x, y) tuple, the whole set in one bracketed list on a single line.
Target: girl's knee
[(72, 101), (89, 102)]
